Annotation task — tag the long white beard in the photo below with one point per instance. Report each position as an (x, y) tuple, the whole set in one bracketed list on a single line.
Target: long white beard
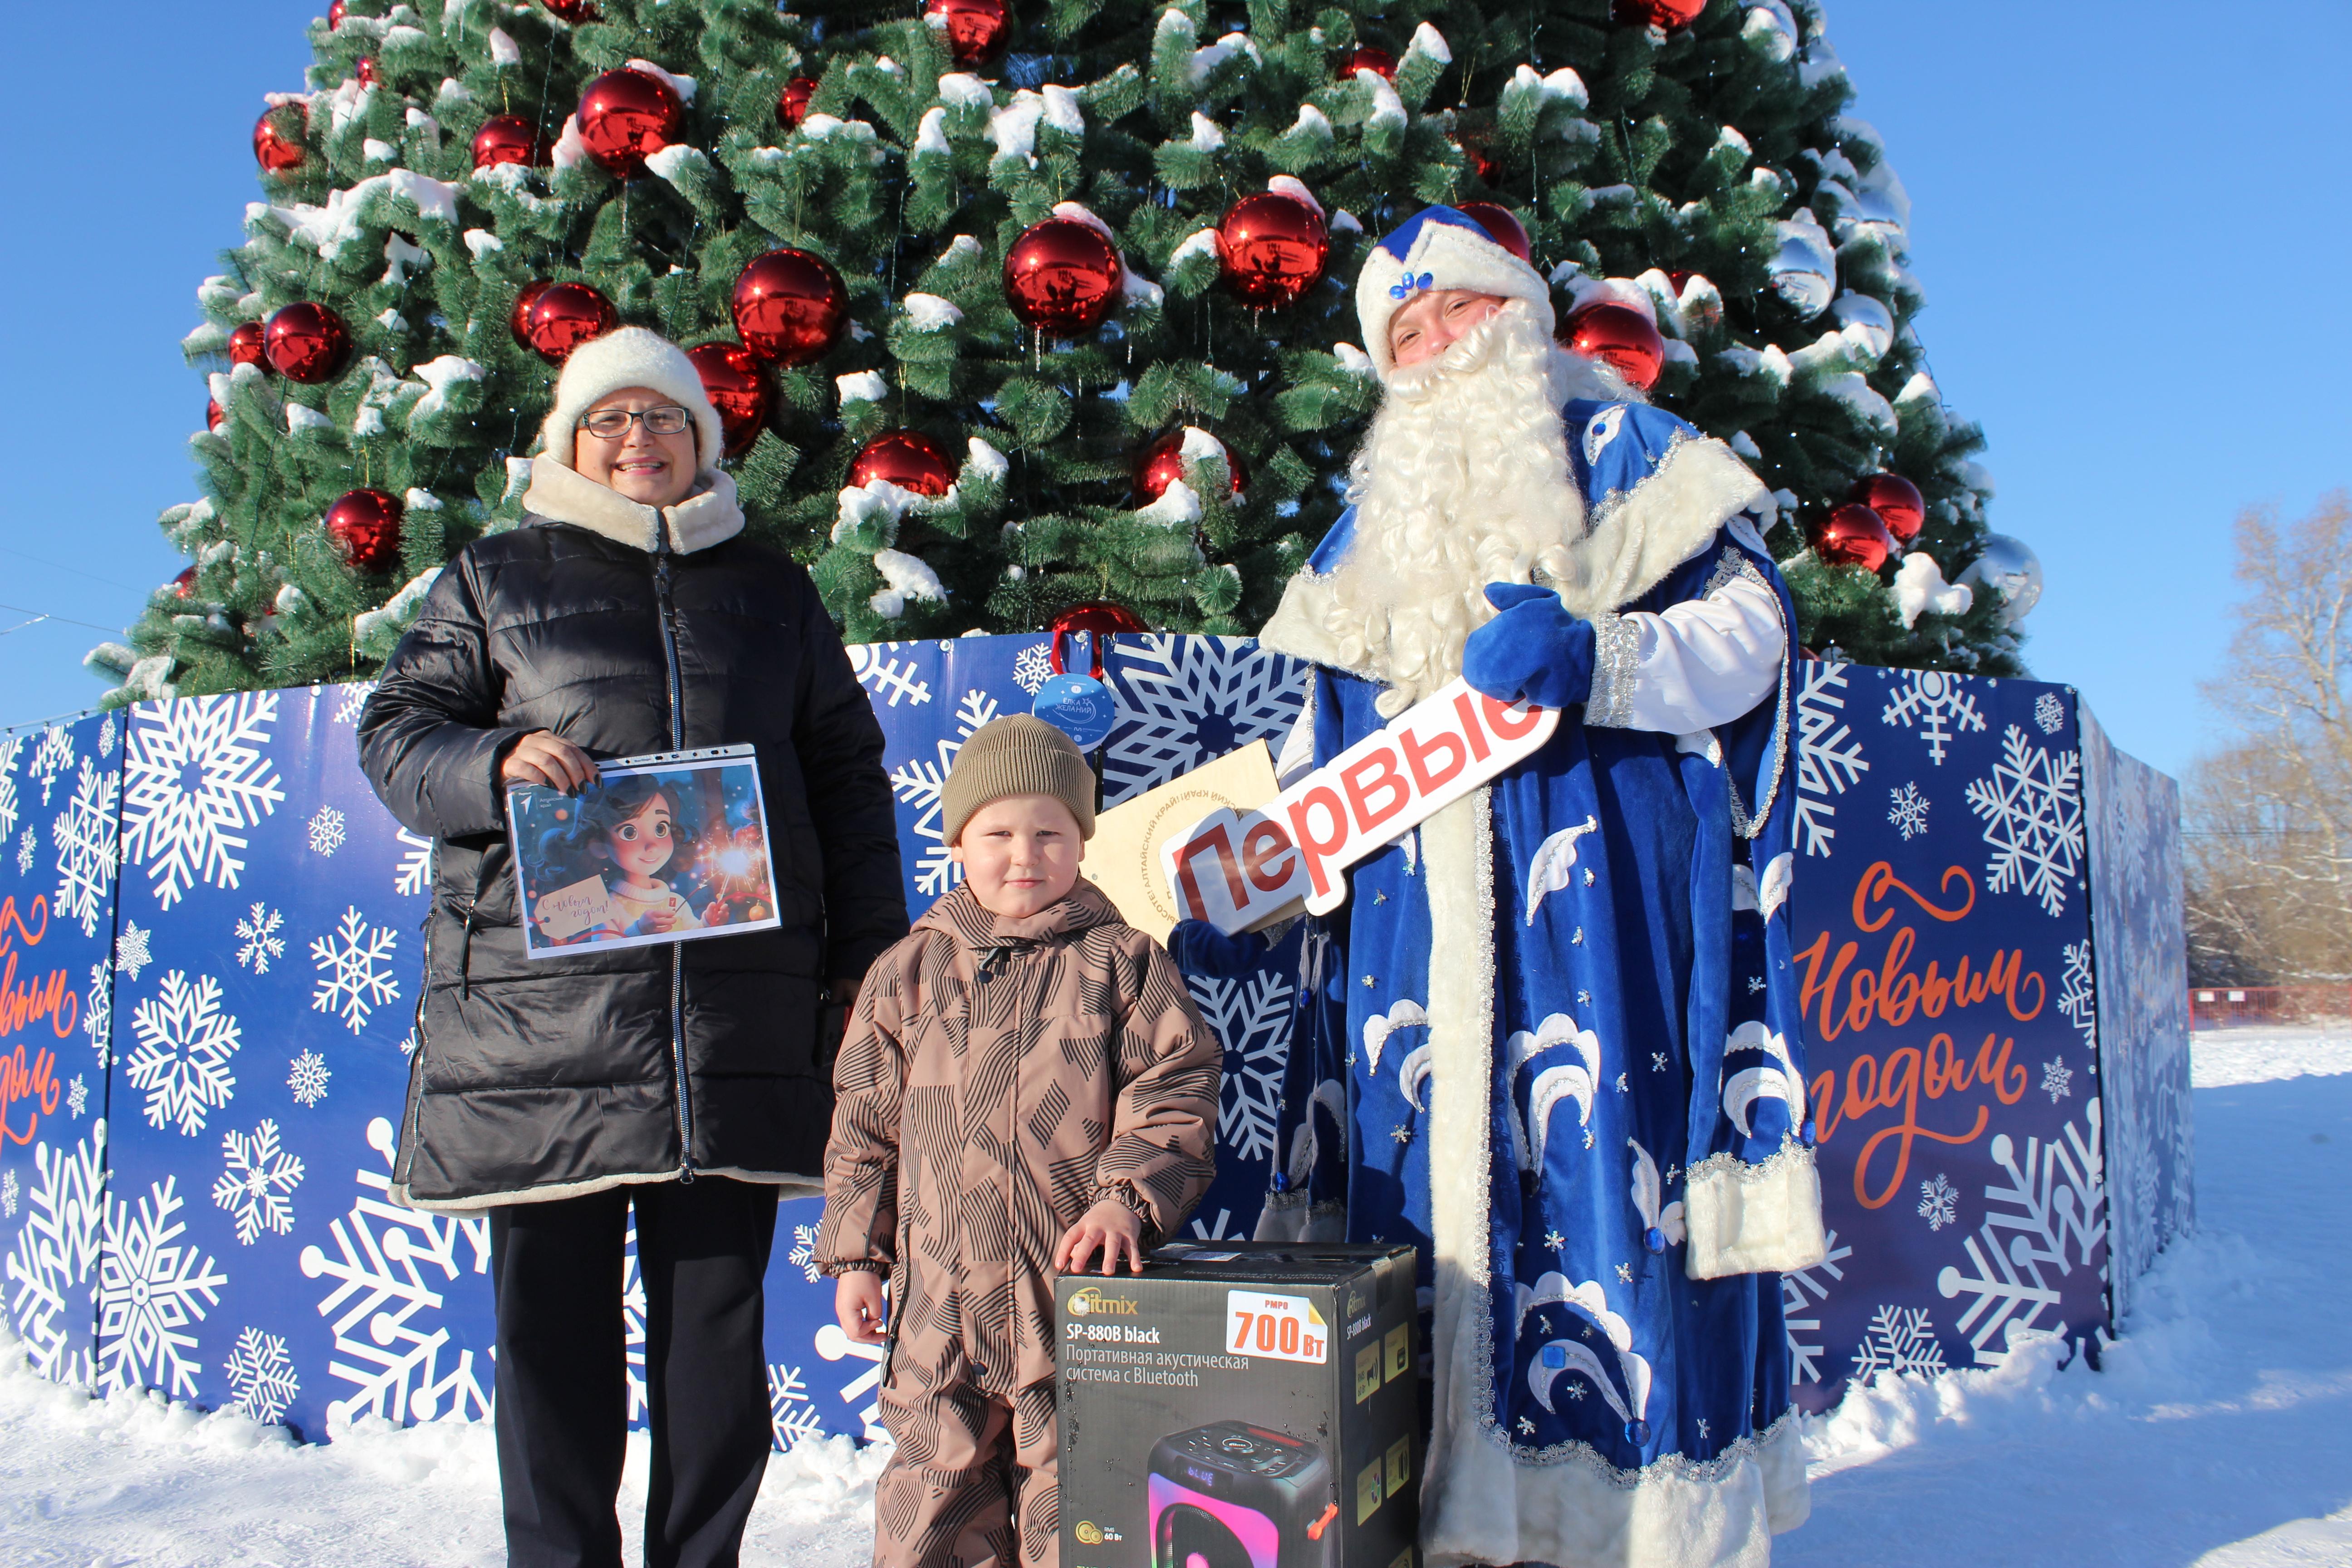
[(1461, 480)]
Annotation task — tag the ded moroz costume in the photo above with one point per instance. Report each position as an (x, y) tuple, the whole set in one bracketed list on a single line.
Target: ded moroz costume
[(1569, 994)]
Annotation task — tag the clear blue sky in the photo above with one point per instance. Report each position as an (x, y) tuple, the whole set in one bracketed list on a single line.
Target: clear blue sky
[(2131, 223)]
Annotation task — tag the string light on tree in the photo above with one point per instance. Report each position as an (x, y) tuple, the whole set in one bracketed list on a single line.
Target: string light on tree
[(789, 307), (626, 116)]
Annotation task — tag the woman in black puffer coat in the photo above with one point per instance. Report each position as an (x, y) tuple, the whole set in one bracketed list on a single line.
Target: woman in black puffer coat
[(627, 616)]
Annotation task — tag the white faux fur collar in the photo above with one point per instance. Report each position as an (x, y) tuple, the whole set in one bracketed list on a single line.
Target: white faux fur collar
[(710, 516)]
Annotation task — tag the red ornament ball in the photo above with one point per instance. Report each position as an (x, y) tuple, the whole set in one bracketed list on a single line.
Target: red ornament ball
[(1272, 247), (1503, 225), (183, 586), (334, 15), (571, 10), (791, 307), (1852, 535), (1367, 59), (1667, 16), (1621, 337), (306, 342), (365, 527), (626, 116), (792, 103), (365, 71), (906, 458), (1897, 502), (1481, 163), (277, 137), (1063, 276), (508, 139), (245, 345), (1163, 464), (553, 319), (731, 375), (213, 415), (1101, 619), (975, 30)]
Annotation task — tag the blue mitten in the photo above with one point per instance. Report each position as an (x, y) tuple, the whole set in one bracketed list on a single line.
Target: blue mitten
[(1200, 948), (1535, 651)]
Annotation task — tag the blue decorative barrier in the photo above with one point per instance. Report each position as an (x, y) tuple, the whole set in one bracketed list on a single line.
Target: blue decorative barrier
[(208, 968)]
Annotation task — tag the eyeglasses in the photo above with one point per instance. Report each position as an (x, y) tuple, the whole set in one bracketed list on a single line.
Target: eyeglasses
[(611, 424)]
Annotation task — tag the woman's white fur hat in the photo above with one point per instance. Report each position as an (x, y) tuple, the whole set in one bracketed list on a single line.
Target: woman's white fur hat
[(629, 357), (1438, 248)]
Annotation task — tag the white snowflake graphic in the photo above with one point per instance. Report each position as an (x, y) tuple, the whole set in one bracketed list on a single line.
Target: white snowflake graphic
[(1900, 1339), (2050, 1219), (256, 1182), (835, 1345), (1252, 1018), (1937, 705), (885, 676), (1909, 812), (8, 1193), (308, 1079), (53, 1262), (632, 1323), (1031, 667), (1939, 1203), (259, 933), (326, 830), (918, 783), (415, 873), (2056, 1080), (196, 777), (791, 1414), (1829, 756), (352, 701), (390, 1268), (98, 1014), (803, 1255), (77, 1098), (152, 1286), (53, 759), (1221, 1228), (2033, 809), (261, 1380), (408, 1042), (2050, 714), (2077, 996), (130, 949), (106, 735), (12, 748), (183, 1055), (354, 984), (1186, 701), (28, 850), (85, 836)]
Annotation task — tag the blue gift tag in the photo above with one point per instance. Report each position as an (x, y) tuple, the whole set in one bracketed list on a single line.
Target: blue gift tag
[(1079, 706)]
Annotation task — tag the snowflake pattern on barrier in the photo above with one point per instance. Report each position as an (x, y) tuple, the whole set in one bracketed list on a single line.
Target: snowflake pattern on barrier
[(182, 1058), (1939, 1202), (2050, 714), (258, 933), (1187, 700), (885, 676), (632, 1323), (261, 1380), (1252, 1016), (920, 781), (803, 1255), (55, 1261), (28, 850), (86, 839), (1900, 1339), (53, 758), (2078, 996), (256, 1182), (391, 1267), (1221, 1228), (2052, 1216), (355, 701), (2056, 1076), (106, 735), (413, 875), (835, 1345), (1032, 667), (153, 1287), (2033, 809), (1829, 754), (327, 830), (130, 949), (791, 1414), (1909, 812), (77, 1098), (98, 1014), (359, 978), (307, 1080), (8, 1192), (196, 777), (11, 749), (1935, 705)]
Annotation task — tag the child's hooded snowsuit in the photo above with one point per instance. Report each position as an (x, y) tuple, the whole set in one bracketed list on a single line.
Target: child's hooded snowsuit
[(1001, 1076)]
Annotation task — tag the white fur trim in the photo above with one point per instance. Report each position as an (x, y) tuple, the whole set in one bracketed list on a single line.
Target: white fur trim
[(629, 357), (1753, 1219), (1454, 258), (709, 517), (1639, 535)]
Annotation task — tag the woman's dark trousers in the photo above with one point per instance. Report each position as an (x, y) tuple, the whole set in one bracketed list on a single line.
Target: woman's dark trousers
[(563, 1380)]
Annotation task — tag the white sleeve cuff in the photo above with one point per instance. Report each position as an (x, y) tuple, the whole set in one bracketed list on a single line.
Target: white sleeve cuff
[(1693, 666), (1753, 1219)]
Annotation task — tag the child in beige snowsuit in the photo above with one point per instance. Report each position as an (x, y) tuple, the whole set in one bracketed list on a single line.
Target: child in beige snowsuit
[(1025, 1082)]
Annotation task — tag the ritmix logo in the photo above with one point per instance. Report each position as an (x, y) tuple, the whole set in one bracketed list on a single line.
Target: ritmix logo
[(1091, 1301)]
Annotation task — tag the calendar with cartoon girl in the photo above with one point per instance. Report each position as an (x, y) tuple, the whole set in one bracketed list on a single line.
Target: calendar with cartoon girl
[(657, 850)]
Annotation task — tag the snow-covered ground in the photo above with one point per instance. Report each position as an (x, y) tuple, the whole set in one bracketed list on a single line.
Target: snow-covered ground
[(2219, 1434)]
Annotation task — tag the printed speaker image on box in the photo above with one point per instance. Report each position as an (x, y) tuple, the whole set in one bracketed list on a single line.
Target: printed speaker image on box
[(1241, 1405)]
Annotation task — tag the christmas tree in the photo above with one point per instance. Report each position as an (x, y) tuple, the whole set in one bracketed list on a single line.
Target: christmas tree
[(1016, 311)]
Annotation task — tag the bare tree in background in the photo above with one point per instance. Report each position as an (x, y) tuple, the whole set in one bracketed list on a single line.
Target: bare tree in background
[(2269, 845)]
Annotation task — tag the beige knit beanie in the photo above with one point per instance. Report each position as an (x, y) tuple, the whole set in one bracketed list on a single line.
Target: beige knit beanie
[(1018, 754)]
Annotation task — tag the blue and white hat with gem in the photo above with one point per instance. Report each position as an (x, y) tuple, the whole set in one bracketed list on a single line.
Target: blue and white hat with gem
[(1438, 248)]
